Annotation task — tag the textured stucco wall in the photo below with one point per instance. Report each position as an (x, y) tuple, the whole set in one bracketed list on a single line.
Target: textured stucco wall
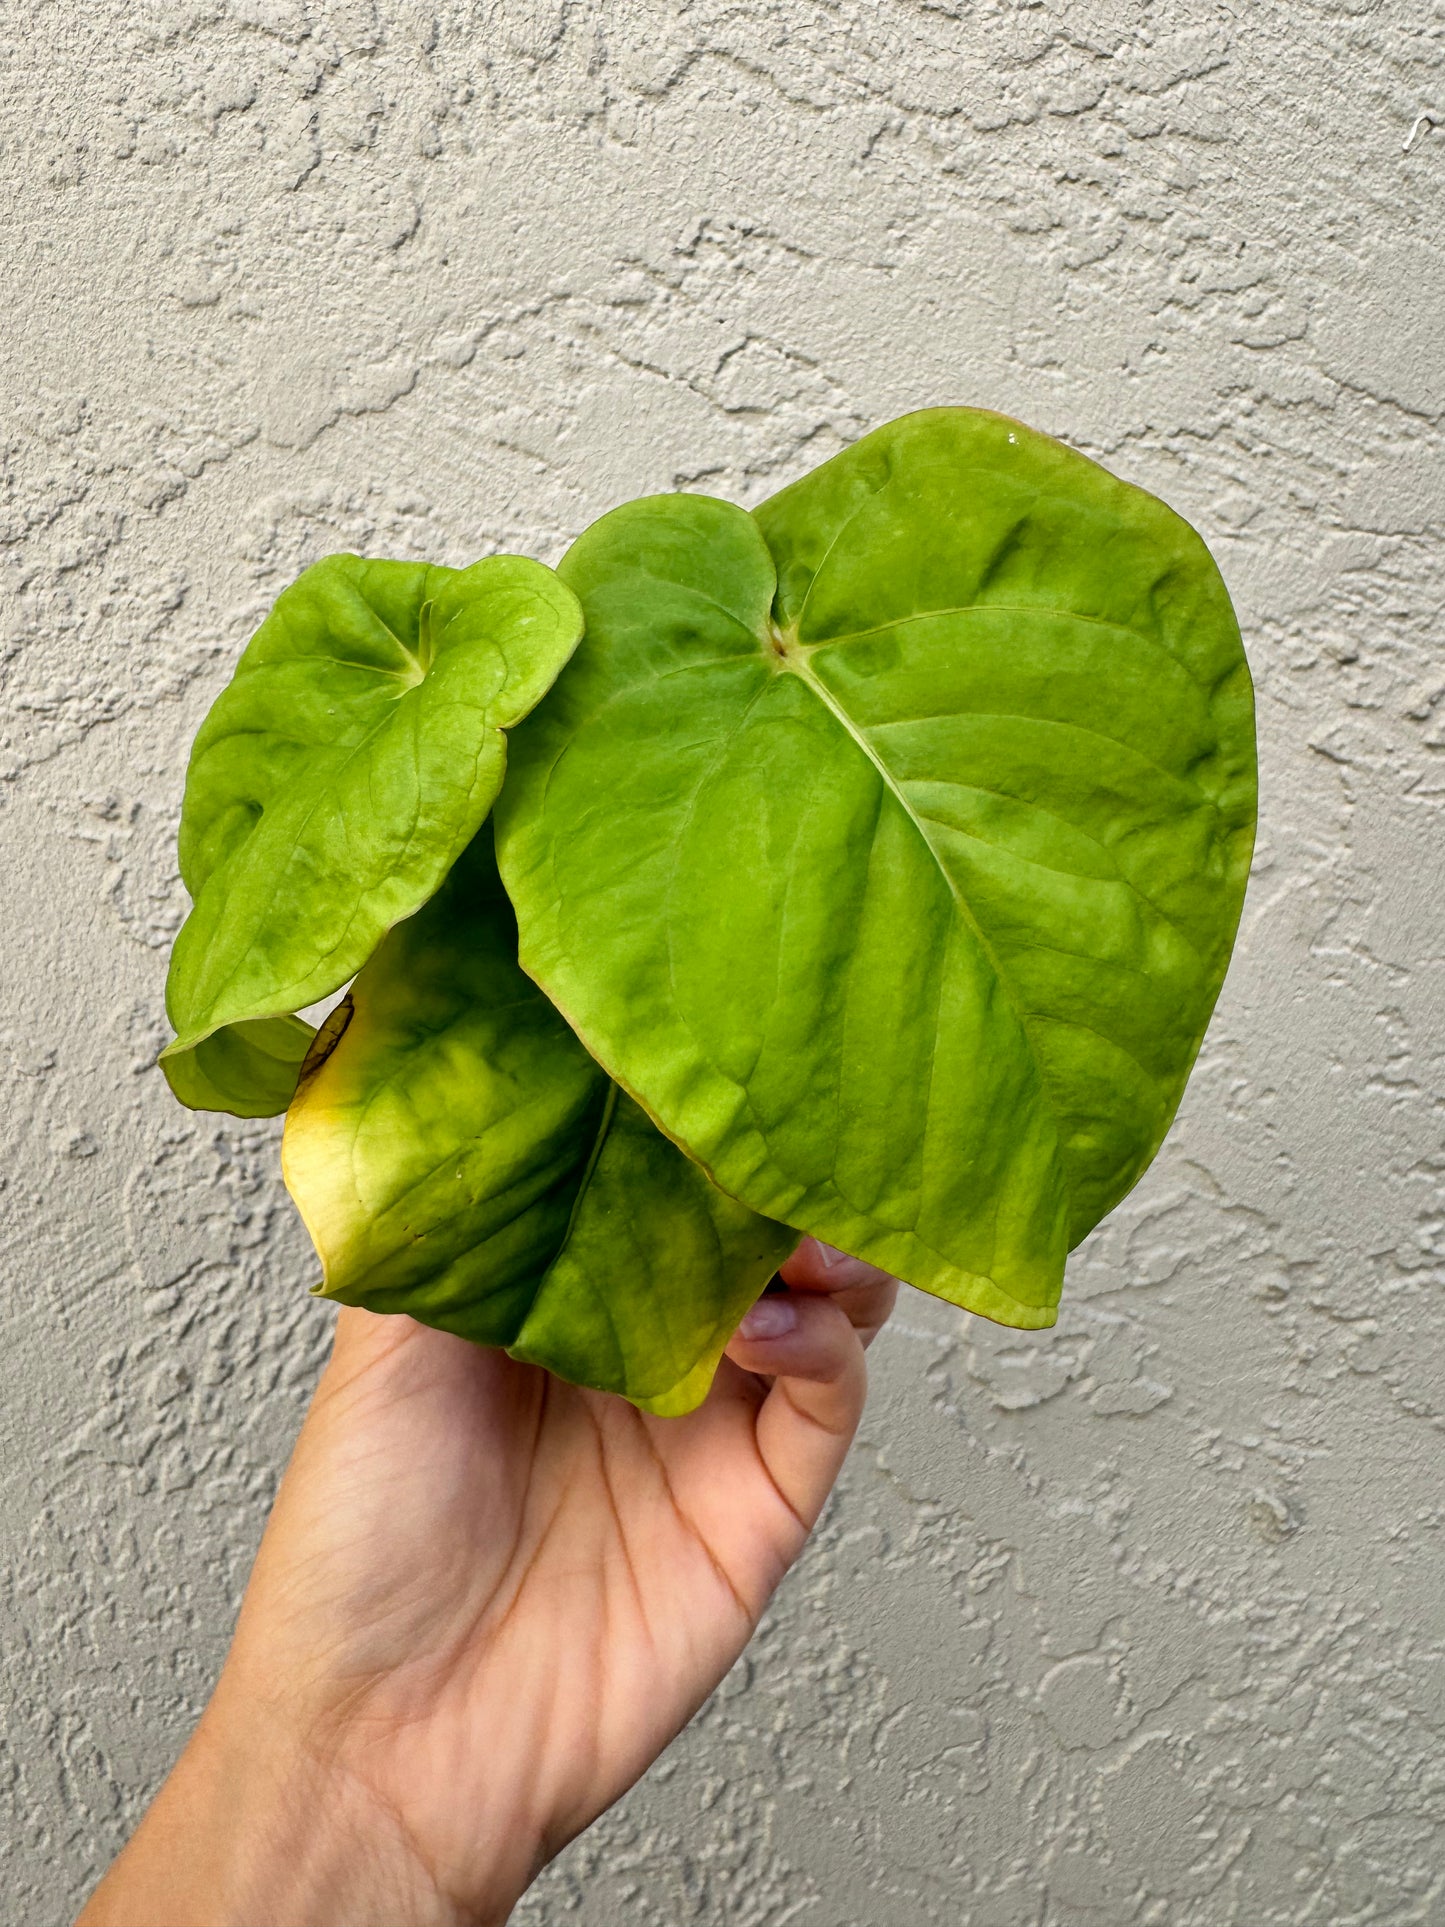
[(1136, 1621)]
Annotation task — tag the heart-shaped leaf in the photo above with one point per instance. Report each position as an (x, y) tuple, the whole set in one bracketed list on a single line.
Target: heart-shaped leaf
[(352, 756), (456, 1154), (888, 845)]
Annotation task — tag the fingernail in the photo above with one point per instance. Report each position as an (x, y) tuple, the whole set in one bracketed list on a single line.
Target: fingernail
[(770, 1317), (830, 1254)]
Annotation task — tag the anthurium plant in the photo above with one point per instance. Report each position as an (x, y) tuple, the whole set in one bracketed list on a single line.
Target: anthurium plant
[(866, 865)]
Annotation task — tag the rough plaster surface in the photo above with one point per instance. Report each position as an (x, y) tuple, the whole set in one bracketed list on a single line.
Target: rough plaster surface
[(1138, 1621)]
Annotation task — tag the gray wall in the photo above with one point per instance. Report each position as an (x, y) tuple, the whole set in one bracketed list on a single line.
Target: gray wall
[(1135, 1621)]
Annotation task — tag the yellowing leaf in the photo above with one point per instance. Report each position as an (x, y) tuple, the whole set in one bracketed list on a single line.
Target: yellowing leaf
[(457, 1155)]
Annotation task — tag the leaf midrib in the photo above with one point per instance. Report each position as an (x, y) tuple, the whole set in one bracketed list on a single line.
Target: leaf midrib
[(798, 666), (599, 1141)]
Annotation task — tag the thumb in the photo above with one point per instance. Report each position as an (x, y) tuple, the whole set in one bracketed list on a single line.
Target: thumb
[(807, 1346)]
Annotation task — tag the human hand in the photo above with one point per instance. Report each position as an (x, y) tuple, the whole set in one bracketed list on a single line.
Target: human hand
[(484, 1602)]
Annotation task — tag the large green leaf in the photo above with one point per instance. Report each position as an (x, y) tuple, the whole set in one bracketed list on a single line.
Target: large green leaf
[(888, 845), (336, 778), (456, 1154)]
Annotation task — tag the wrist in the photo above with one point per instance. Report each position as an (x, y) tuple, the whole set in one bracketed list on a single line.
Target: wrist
[(253, 1829)]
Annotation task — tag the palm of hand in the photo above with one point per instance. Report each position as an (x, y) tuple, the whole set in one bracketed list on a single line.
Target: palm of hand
[(505, 1595)]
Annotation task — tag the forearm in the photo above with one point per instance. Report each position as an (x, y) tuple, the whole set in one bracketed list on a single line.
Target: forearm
[(249, 1832)]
